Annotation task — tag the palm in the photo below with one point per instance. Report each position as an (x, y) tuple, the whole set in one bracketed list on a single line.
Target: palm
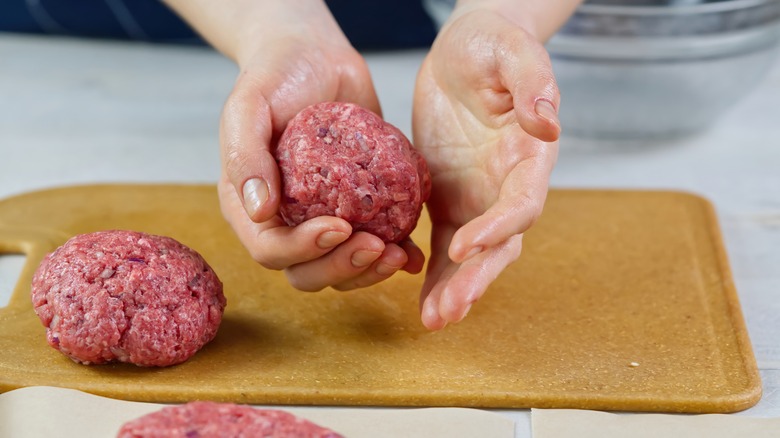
[(483, 164), (273, 87), (470, 152), (298, 75)]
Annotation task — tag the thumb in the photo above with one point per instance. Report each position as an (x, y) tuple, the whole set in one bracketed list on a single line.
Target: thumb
[(527, 73), (246, 130)]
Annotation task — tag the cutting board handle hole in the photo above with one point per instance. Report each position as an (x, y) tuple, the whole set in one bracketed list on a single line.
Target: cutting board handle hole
[(11, 266)]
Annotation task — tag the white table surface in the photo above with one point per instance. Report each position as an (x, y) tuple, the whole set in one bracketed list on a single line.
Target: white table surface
[(84, 111)]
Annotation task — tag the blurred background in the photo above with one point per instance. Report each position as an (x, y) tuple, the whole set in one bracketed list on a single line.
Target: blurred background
[(656, 69), (673, 95), (628, 69)]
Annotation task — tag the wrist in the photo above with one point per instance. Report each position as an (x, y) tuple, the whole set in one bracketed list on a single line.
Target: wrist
[(306, 21), (241, 28)]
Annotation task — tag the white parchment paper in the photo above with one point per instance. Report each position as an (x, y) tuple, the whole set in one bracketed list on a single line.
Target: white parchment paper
[(572, 423), (42, 411)]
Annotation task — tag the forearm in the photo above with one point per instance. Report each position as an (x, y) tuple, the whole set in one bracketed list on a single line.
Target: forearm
[(541, 18), (239, 27)]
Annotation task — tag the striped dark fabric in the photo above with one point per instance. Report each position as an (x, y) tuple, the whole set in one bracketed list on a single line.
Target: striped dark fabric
[(368, 24)]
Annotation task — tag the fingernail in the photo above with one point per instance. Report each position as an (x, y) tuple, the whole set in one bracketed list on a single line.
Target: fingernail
[(546, 109), (255, 193), (363, 258), (474, 251), (329, 239), (431, 318), (385, 269), (466, 312)]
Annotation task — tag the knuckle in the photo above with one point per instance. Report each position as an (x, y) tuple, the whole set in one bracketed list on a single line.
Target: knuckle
[(364, 281), (235, 164), (299, 282), (354, 69), (342, 287), (530, 206), (264, 259)]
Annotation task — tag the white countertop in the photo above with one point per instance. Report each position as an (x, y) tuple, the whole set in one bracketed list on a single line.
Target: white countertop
[(83, 111)]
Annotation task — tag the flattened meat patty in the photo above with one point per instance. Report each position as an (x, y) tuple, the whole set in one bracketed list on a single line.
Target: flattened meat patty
[(221, 420), (129, 297), (338, 159)]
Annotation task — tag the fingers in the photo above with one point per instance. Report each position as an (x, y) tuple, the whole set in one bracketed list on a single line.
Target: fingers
[(415, 256), (471, 280), (258, 110), (525, 70), (246, 130), (440, 269), (320, 252), (393, 259), (358, 262), (460, 286), (275, 245), (282, 246), (519, 204)]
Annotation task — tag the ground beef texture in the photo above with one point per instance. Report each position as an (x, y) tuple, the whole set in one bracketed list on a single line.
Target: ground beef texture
[(129, 297), (339, 159), (221, 420)]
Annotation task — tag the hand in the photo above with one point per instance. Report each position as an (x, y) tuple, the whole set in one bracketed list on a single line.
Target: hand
[(300, 60), (485, 118)]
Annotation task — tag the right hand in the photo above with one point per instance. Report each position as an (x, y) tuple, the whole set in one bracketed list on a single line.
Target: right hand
[(289, 66)]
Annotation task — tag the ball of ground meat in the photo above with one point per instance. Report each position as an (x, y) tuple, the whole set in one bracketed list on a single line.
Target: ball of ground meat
[(221, 420), (338, 159), (129, 297)]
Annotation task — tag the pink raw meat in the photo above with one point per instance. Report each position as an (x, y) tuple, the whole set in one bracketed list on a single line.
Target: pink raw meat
[(129, 297), (221, 420), (338, 159)]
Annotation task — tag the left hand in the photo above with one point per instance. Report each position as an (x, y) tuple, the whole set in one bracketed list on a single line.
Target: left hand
[(485, 118)]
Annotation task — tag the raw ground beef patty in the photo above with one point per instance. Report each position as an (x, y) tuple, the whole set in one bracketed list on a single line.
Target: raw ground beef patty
[(338, 159), (216, 420), (129, 297)]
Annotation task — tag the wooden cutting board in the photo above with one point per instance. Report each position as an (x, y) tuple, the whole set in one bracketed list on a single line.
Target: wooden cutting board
[(622, 300)]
